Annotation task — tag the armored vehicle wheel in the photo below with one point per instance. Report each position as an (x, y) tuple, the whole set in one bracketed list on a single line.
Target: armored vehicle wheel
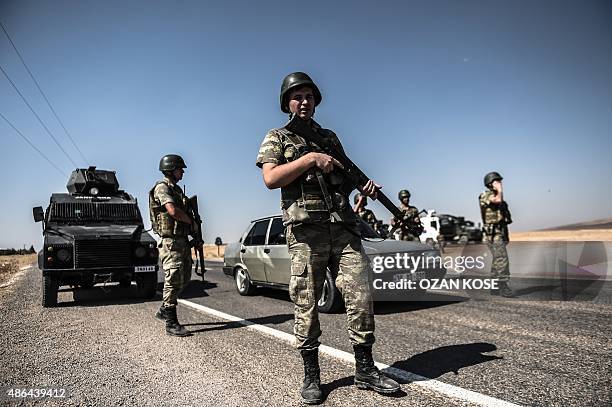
[(463, 239), (244, 285), (50, 285), (331, 299), (147, 285)]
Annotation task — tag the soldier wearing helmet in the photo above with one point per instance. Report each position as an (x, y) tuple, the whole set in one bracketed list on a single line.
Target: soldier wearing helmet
[(168, 210), (322, 233), (365, 214), (496, 218), (412, 213)]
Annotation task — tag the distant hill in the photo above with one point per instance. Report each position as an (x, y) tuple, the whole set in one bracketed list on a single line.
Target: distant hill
[(605, 223)]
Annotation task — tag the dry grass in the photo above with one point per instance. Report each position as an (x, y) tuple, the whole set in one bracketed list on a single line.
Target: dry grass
[(9, 265), (212, 252), (582, 235)]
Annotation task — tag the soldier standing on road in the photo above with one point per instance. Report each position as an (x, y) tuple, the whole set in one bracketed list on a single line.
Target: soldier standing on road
[(320, 237), (496, 218), (406, 233), (168, 209), (365, 214)]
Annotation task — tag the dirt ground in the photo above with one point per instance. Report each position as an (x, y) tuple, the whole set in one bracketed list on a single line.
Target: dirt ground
[(586, 235)]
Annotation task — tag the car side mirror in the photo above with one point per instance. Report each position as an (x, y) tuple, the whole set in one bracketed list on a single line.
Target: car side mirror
[(39, 214)]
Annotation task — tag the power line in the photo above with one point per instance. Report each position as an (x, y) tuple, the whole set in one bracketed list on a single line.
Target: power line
[(33, 146), (42, 93), (39, 119)]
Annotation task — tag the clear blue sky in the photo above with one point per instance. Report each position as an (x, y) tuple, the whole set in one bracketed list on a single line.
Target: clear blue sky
[(426, 95)]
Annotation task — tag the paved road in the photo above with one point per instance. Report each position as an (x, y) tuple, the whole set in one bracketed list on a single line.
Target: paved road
[(107, 348)]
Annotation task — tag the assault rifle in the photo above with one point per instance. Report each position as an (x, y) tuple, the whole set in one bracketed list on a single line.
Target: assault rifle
[(198, 240), (353, 173)]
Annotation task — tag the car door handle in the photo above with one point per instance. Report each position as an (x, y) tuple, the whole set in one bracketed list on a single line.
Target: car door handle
[(242, 250), (266, 251)]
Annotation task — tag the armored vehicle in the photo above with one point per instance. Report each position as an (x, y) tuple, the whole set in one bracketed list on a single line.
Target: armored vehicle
[(459, 230), (92, 234)]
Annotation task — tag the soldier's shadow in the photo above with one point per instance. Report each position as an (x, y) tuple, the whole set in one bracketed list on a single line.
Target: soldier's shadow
[(432, 364), (196, 289), (445, 359), (220, 326)]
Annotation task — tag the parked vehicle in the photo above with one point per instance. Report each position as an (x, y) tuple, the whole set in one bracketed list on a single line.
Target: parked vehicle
[(261, 259), (459, 230), (94, 233)]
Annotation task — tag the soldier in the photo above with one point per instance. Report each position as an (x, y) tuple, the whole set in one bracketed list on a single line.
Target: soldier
[(168, 209), (320, 235), (412, 213), (365, 214), (496, 218)]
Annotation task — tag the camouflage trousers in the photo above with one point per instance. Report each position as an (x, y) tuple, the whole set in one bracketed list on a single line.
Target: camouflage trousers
[(500, 265), (175, 255), (314, 248)]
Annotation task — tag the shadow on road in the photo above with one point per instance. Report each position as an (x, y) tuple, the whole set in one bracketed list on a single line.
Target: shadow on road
[(431, 301), (220, 326), (437, 362), (348, 381), (195, 289), (99, 296)]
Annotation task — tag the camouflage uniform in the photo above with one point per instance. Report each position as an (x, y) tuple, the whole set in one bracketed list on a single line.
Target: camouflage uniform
[(316, 242), (495, 218), (368, 216), (403, 233), (174, 248)]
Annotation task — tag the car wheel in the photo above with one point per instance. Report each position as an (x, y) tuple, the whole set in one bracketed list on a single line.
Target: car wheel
[(331, 299), (50, 285), (244, 285), (146, 285), (463, 239)]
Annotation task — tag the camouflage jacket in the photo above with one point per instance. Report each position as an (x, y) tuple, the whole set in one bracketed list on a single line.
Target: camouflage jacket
[(493, 213), (166, 191), (411, 211), (302, 201), (368, 216)]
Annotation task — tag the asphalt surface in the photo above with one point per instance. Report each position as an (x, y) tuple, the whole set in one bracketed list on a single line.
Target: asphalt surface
[(105, 348)]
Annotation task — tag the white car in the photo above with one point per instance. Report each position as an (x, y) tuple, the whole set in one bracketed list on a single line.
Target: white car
[(261, 259)]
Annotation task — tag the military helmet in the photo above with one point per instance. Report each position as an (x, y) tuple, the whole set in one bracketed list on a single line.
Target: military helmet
[(356, 199), (171, 162), (492, 176), (404, 193), (295, 80)]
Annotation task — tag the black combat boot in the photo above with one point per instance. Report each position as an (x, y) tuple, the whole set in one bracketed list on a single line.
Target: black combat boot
[(172, 325), (505, 290), (162, 313), (367, 375), (311, 389)]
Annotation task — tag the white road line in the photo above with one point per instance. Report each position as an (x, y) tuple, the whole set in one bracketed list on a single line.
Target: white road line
[(414, 379)]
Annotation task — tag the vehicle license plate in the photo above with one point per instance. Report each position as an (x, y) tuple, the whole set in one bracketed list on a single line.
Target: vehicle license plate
[(416, 276), (144, 269)]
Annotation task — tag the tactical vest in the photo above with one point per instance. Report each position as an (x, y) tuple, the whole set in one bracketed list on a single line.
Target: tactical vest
[(303, 201), (163, 224), (494, 214)]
